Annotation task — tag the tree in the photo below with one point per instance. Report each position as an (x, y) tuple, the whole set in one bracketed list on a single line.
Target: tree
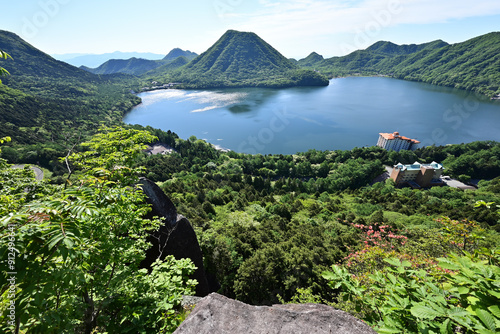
[(79, 249), (3, 71)]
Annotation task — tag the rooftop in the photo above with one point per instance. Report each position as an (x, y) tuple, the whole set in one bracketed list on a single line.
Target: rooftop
[(417, 165), (395, 135)]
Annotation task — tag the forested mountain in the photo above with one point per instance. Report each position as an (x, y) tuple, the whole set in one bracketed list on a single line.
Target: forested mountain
[(369, 59), (240, 59), (168, 67), (176, 53), (310, 60), (45, 101), (133, 66), (31, 62), (95, 60), (138, 66), (471, 65), (301, 228), (391, 49)]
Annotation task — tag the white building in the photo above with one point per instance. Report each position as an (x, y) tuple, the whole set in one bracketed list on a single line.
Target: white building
[(393, 141)]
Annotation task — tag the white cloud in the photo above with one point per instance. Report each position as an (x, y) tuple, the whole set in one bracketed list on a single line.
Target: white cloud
[(297, 20), (431, 11), (348, 15)]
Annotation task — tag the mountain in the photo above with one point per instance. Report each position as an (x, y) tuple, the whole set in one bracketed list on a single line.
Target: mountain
[(94, 60), (168, 67), (243, 59), (176, 53), (133, 66), (472, 65), (310, 60), (45, 100), (28, 61), (138, 66), (369, 61), (391, 49)]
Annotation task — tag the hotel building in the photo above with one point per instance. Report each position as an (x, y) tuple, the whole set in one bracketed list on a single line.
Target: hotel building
[(418, 175), (393, 141)]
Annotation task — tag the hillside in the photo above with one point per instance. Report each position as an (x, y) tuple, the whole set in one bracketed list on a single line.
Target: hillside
[(138, 66), (242, 59), (176, 53), (472, 65), (368, 60), (95, 60), (310, 60), (311, 227), (44, 100), (391, 49), (133, 66), (31, 62), (168, 67)]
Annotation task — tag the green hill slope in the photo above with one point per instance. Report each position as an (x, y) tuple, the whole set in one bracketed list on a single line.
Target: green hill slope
[(372, 60), (45, 100), (168, 67), (132, 66), (472, 65), (29, 61), (176, 53), (138, 66), (242, 59), (310, 60)]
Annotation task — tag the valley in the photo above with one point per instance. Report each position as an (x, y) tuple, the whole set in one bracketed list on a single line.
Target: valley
[(290, 214)]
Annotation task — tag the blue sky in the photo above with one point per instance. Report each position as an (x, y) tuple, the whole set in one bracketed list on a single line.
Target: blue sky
[(294, 27)]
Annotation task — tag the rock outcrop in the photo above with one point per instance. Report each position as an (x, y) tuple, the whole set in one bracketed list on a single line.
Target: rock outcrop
[(175, 237), (221, 315)]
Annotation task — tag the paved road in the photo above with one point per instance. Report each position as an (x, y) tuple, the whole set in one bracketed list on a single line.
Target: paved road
[(457, 184), (37, 170)]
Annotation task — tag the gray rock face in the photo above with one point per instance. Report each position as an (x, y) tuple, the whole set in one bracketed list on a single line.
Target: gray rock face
[(175, 237), (161, 204), (221, 315)]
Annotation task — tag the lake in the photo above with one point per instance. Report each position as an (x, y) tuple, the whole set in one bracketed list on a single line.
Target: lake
[(349, 113)]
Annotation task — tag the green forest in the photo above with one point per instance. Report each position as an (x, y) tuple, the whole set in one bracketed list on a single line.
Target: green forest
[(307, 227), (471, 65), (239, 59), (270, 227)]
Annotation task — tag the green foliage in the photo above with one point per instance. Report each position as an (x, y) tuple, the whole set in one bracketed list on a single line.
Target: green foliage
[(405, 300), (48, 103), (246, 207), (470, 65), (78, 249), (240, 59), (3, 71)]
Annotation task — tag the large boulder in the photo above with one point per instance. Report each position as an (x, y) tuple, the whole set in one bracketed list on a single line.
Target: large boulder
[(175, 237), (218, 314)]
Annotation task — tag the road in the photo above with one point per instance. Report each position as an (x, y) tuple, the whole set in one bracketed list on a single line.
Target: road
[(38, 171)]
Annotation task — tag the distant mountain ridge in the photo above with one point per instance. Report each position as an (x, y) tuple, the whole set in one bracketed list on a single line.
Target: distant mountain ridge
[(243, 59), (176, 53), (471, 65), (95, 60), (138, 66)]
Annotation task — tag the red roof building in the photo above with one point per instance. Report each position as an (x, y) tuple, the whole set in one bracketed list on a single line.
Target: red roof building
[(396, 142)]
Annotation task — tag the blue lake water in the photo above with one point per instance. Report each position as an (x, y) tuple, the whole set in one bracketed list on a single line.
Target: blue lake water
[(349, 113)]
